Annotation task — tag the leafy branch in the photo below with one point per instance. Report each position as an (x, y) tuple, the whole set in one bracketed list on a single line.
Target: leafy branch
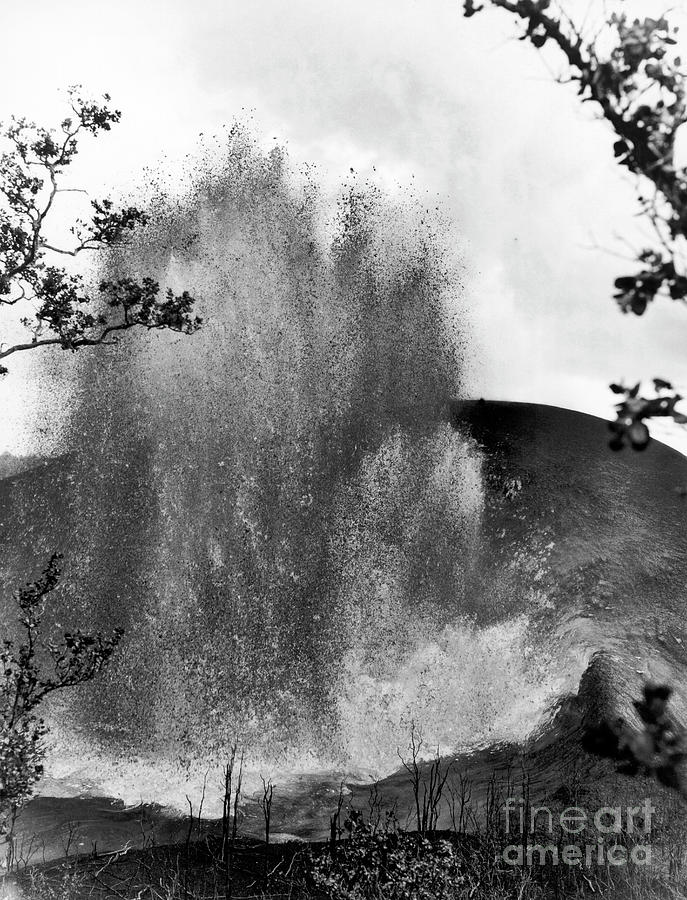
[(641, 91), (629, 424), (639, 88), (656, 749), (62, 310)]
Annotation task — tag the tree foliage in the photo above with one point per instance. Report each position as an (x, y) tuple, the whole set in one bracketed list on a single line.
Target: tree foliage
[(632, 411), (656, 749), (56, 306), (31, 668), (630, 71)]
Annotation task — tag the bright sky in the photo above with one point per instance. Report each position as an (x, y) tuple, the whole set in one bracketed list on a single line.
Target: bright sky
[(411, 90)]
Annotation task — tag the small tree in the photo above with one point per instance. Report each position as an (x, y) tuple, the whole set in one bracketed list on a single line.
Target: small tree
[(639, 88), (54, 304), (33, 668)]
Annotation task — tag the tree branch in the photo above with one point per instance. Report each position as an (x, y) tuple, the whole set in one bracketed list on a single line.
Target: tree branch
[(89, 341), (67, 313)]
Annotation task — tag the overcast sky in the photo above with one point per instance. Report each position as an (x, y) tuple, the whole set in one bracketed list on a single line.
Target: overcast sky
[(400, 90)]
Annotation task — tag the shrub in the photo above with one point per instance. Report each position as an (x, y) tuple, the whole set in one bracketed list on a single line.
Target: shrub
[(389, 863)]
